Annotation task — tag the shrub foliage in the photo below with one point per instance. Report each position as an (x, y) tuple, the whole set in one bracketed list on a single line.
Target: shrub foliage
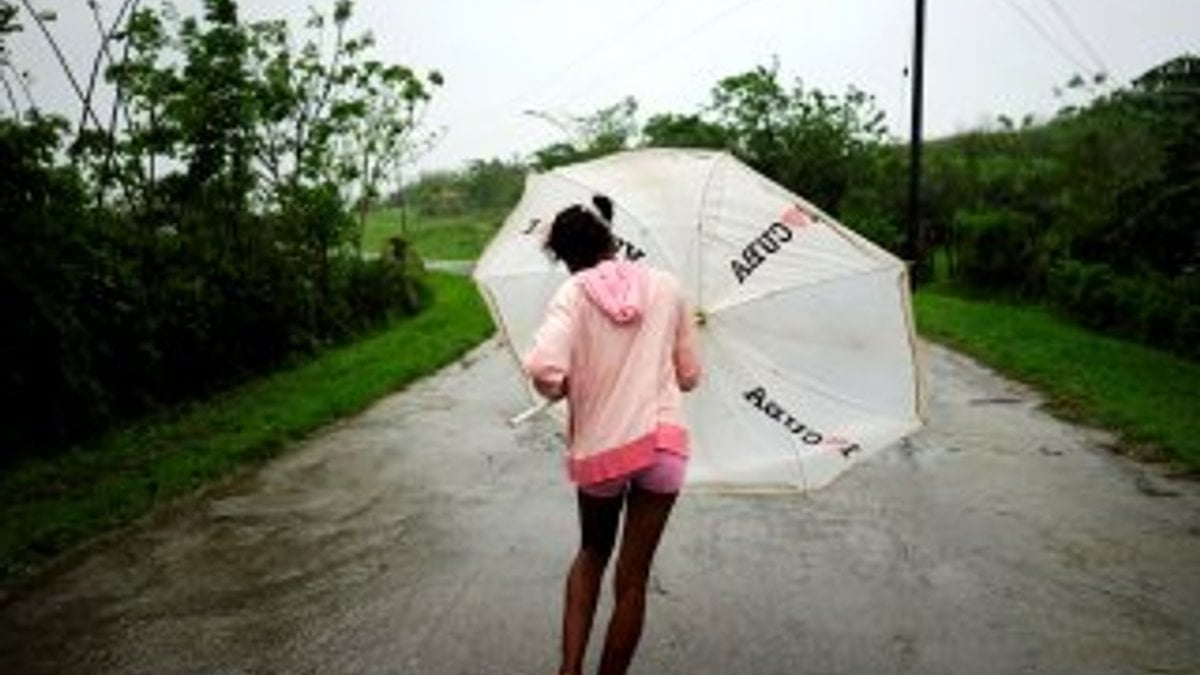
[(206, 227)]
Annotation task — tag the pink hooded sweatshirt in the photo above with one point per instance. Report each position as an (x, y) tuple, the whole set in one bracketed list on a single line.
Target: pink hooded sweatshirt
[(618, 342)]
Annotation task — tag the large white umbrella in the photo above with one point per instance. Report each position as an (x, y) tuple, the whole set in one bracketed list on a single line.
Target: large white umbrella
[(805, 328)]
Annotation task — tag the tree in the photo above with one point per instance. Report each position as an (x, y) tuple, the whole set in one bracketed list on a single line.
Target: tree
[(609, 129), (493, 184), (807, 140), (1160, 219), (202, 231), (484, 185), (684, 131)]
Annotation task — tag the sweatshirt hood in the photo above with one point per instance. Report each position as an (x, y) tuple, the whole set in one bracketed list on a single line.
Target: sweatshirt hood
[(618, 288)]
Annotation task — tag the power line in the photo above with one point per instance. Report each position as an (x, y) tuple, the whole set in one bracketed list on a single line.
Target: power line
[(580, 57), (1045, 34), (642, 59), (12, 99), (671, 46), (584, 55), (1078, 35), (22, 80), (599, 44)]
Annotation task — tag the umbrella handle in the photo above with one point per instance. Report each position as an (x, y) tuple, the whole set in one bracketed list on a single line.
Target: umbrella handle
[(524, 416)]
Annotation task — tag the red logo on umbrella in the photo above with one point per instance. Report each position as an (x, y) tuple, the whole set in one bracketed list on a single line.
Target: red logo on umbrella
[(797, 216)]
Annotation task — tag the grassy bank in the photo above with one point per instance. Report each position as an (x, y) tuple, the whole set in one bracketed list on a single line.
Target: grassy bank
[(436, 237), (1150, 397), (49, 505)]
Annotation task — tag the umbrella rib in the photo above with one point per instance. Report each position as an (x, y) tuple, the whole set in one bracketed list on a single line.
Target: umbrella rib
[(519, 273), (815, 385), (664, 251), (562, 174), (704, 201), (811, 383), (735, 364), (489, 250), (506, 333), (787, 289), (910, 323)]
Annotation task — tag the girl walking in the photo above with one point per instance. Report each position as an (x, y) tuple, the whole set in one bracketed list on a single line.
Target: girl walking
[(618, 342)]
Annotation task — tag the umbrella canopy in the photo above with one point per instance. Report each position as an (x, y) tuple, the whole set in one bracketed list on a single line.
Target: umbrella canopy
[(805, 328)]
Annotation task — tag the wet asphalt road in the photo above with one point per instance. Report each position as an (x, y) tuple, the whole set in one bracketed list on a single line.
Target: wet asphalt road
[(425, 536)]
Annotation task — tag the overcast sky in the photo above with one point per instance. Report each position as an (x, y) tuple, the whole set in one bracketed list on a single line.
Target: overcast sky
[(570, 57)]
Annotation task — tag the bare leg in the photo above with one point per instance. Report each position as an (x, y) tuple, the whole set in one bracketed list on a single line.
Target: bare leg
[(644, 522), (598, 520)]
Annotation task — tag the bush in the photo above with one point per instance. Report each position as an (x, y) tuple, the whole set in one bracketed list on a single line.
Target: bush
[(1149, 308), (206, 238), (105, 319), (999, 249), (882, 229)]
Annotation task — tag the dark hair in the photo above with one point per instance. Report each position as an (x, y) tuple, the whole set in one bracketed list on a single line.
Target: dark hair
[(579, 238)]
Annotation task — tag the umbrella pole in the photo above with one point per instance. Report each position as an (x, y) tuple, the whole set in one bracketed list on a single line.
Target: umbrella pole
[(531, 412)]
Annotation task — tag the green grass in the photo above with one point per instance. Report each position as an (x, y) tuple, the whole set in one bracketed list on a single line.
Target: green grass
[(1151, 398), (435, 237), (50, 505)]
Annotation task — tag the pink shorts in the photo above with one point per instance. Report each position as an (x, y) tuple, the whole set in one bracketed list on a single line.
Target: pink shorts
[(664, 476)]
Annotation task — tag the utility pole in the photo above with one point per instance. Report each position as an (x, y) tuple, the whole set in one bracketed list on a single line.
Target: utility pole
[(914, 246)]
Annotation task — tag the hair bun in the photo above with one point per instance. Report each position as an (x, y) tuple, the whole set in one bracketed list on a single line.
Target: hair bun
[(604, 206)]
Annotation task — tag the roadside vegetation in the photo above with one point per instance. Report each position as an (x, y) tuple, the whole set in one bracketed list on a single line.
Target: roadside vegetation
[(450, 237), (50, 504), (204, 228), (182, 285), (452, 214), (1151, 398)]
